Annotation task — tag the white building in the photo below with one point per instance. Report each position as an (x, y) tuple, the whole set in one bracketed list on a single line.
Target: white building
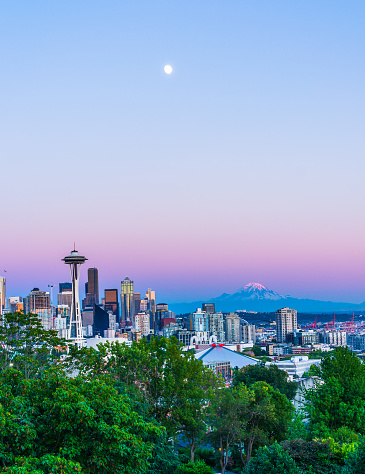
[(141, 323), (199, 321), (248, 334), (296, 366), (334, 338)]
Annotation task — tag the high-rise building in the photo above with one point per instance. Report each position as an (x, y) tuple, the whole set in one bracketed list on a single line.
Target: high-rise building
[(248, 335), (151, 297), (91, 288), (136, 304), (286, 323), (232, 326), (2, 293), (15, 304), (126, 297), (334, 338), (162, 312), (199, 321), (216, 325), (111, 302), (209, 308), (38, 302), (93, 283), (66, 286), (141, 323)]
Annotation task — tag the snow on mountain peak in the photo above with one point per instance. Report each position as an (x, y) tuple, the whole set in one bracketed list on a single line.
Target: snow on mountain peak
[(258, 291)]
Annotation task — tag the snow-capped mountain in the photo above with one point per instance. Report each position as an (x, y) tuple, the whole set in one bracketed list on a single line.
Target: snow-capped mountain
[(256, 291), (256, 297)]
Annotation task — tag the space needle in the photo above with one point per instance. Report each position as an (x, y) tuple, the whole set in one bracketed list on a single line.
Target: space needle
[(74, 332)]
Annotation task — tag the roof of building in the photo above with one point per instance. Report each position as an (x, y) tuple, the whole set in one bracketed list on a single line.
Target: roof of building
[(223, 354)]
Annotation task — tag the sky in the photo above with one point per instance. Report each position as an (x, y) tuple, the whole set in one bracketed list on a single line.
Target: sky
[(245, 164)]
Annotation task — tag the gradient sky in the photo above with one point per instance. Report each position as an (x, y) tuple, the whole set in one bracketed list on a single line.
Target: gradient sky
[(245, 164)]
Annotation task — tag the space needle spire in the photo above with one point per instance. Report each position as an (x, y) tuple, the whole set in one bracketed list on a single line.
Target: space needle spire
[(74, 332)]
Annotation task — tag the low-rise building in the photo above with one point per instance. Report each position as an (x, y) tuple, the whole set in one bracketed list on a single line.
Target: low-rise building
[(296, 366)]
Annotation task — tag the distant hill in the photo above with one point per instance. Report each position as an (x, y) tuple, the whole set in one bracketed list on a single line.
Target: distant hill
[(256, 297)]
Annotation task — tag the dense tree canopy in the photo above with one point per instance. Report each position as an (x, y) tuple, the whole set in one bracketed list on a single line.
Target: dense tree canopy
[(272, 375)]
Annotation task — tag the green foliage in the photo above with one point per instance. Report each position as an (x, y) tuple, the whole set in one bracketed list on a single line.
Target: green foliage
[(86, 422), (339, 399), (317, 354), (198, 467), (314, 456), (174, 384), (296, 428), (26, 346), (258, 351), (271, 460), (48, 464), (272, 375), (355, 462)]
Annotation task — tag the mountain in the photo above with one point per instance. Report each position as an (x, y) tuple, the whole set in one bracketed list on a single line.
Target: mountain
[(256, 297)]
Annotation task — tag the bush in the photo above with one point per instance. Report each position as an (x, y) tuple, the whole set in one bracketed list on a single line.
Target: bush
[(272, 460), (198, 467), (355, 462), (314, 456)]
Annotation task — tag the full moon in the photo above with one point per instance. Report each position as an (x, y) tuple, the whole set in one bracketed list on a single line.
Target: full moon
[(167, 69)]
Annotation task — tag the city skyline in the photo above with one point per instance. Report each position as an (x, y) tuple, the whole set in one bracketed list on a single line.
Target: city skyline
[(243, 164)]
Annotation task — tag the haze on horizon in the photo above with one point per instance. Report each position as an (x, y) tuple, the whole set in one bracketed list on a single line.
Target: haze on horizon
[(245, 164)]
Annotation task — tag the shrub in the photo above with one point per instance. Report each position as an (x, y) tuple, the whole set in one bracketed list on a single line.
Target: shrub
[(272, 460), (198, 467)]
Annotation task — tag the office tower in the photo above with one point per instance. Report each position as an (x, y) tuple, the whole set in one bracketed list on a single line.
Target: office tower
[(151, 297), (100, 321), (75, 333), (2, 293), (126, 297), (64, 297), (65, 287), (162, 312), (199, 321), (209, 308), (144, 305), (216, 325), (232, 328), (248, 334), (286, 323), (141, 323), (15, 304), (93, 283), (111, 302), (136, 303), (38, 302)]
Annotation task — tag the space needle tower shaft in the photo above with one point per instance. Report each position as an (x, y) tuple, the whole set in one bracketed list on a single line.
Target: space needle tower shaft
[(74, 332)]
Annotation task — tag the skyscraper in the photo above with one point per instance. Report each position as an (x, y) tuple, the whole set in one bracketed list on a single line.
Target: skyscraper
[(209, 308), (111, 302), (126, 297), (38, 302), (286, 323), (233, 328), (93, 283), (2, 293)]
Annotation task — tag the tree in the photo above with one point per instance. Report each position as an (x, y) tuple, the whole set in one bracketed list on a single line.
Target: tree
[(338, 400), (175, 385), (313, 456), (86, 422), (355, 462), (26, 346), (268, 417), (272, 460), (272, 375), (229, 418)]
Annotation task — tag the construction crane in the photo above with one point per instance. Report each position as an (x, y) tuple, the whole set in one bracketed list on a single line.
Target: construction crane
[(331, 324)]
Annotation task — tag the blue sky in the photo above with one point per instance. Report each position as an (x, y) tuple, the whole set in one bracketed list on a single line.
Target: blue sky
[(246, 164)]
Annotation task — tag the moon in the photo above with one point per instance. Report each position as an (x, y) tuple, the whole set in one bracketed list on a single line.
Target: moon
[(167, 69)]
